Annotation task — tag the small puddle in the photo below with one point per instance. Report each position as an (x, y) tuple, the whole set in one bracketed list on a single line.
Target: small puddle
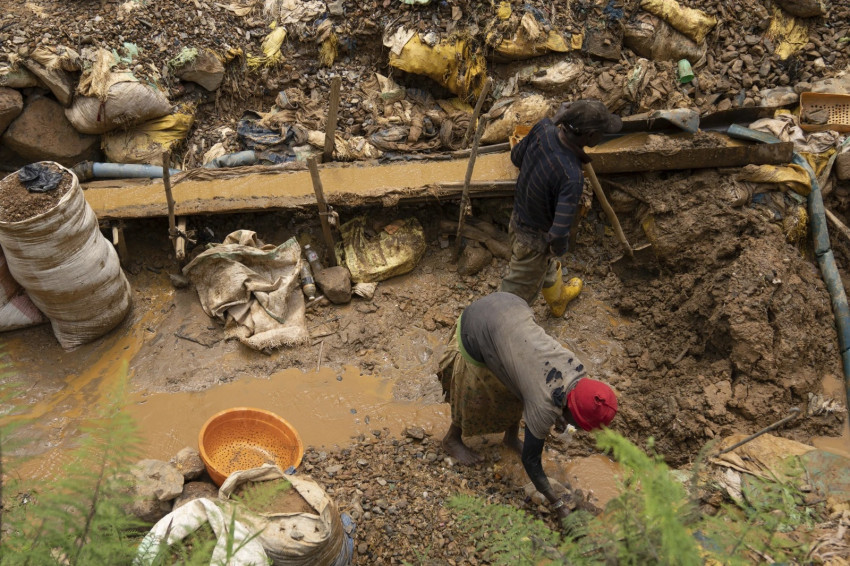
[(325, 407), (833, 387), (597, 475)]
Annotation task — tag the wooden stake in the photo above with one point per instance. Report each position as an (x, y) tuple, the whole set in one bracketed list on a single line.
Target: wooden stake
[(330, 126), (166, 181), (323, 210), (485, 90), (838, 223), (180, 242), (119, 242), (464, 197)]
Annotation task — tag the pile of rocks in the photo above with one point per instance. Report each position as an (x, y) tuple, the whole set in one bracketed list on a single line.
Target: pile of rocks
[(212, 61)]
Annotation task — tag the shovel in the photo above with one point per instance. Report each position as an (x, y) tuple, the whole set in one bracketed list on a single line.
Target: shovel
[(639, 261)]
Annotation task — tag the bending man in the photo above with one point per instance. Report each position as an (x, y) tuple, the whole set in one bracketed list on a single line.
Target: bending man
[(501, 366)]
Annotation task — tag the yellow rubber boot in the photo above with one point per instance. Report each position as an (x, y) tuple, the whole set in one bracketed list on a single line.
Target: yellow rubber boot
[(558, 295)]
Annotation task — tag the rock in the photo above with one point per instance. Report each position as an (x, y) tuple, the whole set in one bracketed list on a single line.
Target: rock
[(42, 133), (188, 462), (603, 43), (780, 96), (155, 479), (717, 395), (11, 105), (335, 283), (473, 259), (59, 81), (842, 166), (196, 490), (836, 85), (415, 432), (206, 70), (149, 510), (803, 8)]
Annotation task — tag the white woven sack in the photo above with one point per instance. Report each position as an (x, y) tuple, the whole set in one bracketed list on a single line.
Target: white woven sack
[(68, 269)]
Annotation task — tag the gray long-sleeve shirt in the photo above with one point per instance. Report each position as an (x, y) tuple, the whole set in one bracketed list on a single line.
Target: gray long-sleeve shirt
[(499, 331)]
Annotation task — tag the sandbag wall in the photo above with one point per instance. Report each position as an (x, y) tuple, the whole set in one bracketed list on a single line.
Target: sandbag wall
[(55, 251)]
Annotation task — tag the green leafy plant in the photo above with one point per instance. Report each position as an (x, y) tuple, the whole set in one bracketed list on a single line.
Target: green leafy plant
[(79, 517), (654, 520)]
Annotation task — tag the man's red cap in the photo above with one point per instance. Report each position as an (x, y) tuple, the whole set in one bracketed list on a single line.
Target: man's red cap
[(592, 403)]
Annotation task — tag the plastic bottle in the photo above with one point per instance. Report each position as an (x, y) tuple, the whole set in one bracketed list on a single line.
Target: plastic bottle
[(308, 285), (312, 258)]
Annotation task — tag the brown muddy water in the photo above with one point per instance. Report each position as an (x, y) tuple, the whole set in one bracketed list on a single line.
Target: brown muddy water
[(59, 390), (326, 407)]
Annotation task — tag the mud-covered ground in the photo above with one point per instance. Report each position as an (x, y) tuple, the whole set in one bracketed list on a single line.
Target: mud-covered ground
[(728, 331)]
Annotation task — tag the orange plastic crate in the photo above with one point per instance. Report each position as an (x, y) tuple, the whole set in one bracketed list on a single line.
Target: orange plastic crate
[(838, 106)]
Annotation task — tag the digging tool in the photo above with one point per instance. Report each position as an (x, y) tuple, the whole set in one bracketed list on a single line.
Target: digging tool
[(633, 257), (324, 211), (464, 199), (792, 414)]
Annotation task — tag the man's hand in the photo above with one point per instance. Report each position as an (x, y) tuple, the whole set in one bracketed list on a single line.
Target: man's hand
[(561, 508), (558, 253)]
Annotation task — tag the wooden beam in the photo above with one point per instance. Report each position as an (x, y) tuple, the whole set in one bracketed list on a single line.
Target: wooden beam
[(206, 191)]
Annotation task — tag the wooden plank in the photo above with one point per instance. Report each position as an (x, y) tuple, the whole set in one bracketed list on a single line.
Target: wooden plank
[(257, 188), (608, 162), (202, 192)]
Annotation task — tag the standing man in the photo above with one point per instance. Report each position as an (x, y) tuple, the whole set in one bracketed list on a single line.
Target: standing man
[(500, 366), (548, 189)]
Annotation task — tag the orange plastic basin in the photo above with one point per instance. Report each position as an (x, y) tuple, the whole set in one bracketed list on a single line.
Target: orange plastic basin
[(242, 438)]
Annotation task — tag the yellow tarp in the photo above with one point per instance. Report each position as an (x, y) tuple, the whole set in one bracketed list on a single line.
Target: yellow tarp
[(789, 33), (521, 47), (694, 23), (791, 176), (452, 63), (394, 250)]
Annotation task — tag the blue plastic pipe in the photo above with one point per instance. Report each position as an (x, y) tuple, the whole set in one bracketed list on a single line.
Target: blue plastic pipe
[(829, 271), (247, 157), (127, 171)]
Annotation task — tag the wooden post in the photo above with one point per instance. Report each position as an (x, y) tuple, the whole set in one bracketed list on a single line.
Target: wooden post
[(119, 242), (166, 181), (464, 197), (323, 209), (330, 126), (485, 90), (180, 242)]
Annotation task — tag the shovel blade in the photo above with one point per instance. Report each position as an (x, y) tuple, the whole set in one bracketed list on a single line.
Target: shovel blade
[(642, 264)]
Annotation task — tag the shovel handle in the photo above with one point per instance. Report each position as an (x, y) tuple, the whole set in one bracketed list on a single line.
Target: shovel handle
[(606, 206)]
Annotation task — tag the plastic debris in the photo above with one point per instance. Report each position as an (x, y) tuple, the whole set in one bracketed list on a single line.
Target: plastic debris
[(38, 178)]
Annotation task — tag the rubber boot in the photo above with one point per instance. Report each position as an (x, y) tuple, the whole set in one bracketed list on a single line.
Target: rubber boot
[(556, 294)]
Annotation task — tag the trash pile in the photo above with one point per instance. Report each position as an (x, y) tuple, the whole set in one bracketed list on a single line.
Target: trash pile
[(126, 81), (260, 292)]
